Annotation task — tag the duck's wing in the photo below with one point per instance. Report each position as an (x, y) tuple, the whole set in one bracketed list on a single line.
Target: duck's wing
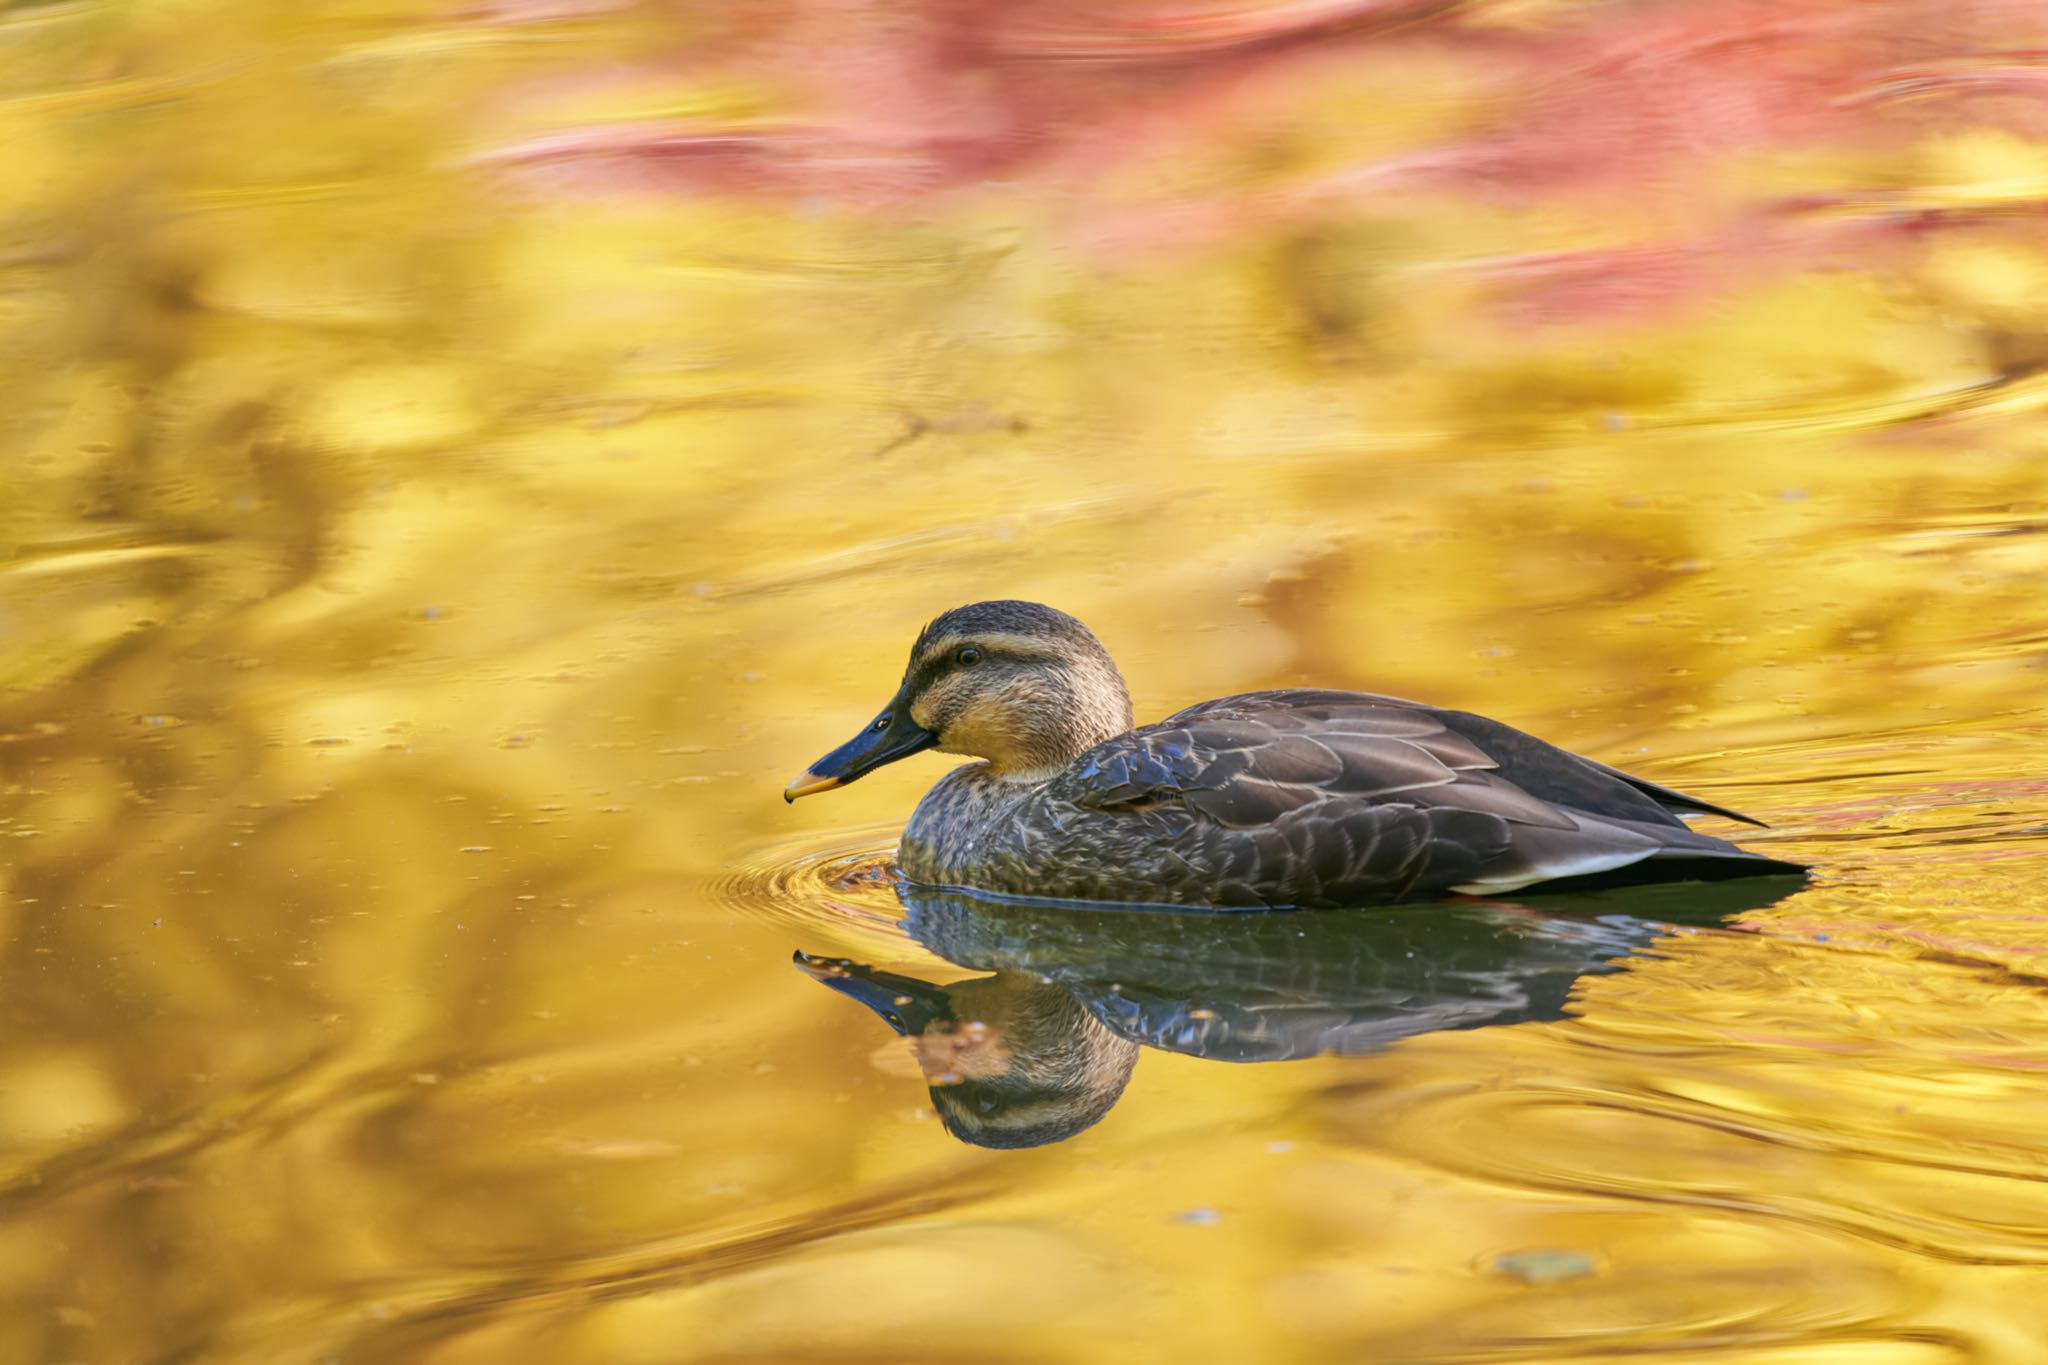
[(1338, 795), (1537, 767), (1560, 775)]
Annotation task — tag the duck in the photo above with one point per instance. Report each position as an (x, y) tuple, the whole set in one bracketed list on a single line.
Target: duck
[(1287, 799)]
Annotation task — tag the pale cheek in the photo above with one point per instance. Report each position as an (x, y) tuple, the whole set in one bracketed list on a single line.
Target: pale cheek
[(931, 709), (985, 731), (971, 1052), (969, 734)]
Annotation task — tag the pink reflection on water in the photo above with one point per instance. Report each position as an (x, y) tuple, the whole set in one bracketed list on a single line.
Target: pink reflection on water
[(1654, 115)]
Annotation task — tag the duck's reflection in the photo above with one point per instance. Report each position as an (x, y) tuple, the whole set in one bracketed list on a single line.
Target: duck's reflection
[(1042, 1048)]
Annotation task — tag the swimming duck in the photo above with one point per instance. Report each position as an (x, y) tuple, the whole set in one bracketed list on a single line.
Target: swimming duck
[(1300, 797)]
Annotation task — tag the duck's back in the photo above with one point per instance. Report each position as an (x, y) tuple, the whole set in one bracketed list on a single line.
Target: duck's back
[(1311, 798)]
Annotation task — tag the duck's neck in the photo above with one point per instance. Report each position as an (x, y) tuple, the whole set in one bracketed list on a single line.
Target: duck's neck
[(1091, 705)]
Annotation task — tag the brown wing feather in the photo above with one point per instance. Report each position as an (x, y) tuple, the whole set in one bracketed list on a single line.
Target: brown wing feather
[(1539, 768)]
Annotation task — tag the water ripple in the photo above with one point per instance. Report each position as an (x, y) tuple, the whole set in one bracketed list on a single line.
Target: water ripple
[(838, 884), (1758, 1153)]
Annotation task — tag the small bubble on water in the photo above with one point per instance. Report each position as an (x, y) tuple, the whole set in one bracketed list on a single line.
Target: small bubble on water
[(1543, 1265)]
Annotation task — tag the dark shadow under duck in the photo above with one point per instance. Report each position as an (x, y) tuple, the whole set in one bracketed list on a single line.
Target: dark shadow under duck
[(1042, 1048), (1277, 799)]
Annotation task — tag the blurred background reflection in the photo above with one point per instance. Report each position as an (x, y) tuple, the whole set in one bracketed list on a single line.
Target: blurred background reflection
[(460, 456)]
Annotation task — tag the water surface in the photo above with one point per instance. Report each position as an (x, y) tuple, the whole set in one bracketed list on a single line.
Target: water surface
[(461, 460)]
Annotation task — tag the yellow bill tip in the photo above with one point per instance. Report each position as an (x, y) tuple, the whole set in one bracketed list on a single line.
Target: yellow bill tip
[(809, 784)]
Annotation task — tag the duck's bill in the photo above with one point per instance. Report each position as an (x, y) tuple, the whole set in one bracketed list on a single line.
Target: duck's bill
[(890, 736), (906, 1004)]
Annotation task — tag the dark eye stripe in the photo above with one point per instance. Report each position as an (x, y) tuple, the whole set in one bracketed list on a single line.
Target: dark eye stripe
[(928, 673), (931, 670)]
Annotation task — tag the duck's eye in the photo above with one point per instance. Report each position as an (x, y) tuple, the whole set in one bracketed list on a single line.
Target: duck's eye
[(967, 655)]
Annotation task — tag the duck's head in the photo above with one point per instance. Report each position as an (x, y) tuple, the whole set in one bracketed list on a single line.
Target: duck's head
[(1019, 684), (1013, 1060)]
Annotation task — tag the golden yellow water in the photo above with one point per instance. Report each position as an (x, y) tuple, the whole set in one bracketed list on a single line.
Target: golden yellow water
[(461, 459)]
